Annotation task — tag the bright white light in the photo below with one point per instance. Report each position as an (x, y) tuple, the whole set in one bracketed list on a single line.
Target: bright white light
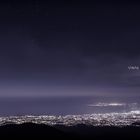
[(106, 119), (135, 112), (107, 104)]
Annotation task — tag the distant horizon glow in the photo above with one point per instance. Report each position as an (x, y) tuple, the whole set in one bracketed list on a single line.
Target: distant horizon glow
[(107, 104)]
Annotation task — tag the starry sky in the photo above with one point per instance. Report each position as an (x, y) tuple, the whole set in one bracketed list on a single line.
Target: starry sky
[(60, 48)]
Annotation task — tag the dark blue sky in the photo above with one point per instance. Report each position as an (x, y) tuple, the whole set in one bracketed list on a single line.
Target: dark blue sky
[(59, 48)]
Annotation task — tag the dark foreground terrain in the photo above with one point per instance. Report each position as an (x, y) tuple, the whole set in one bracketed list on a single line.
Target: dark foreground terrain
[(40, 131)]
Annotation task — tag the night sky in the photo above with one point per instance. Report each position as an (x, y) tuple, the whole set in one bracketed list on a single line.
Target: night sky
[(59, 48)]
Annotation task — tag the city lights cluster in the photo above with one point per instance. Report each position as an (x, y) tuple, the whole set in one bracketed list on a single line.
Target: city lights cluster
[(107, 119)]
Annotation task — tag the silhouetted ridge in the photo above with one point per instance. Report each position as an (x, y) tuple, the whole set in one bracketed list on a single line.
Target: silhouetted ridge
[(41, 131)]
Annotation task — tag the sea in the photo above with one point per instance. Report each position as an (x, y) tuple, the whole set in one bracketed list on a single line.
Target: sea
[(66, 105)]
